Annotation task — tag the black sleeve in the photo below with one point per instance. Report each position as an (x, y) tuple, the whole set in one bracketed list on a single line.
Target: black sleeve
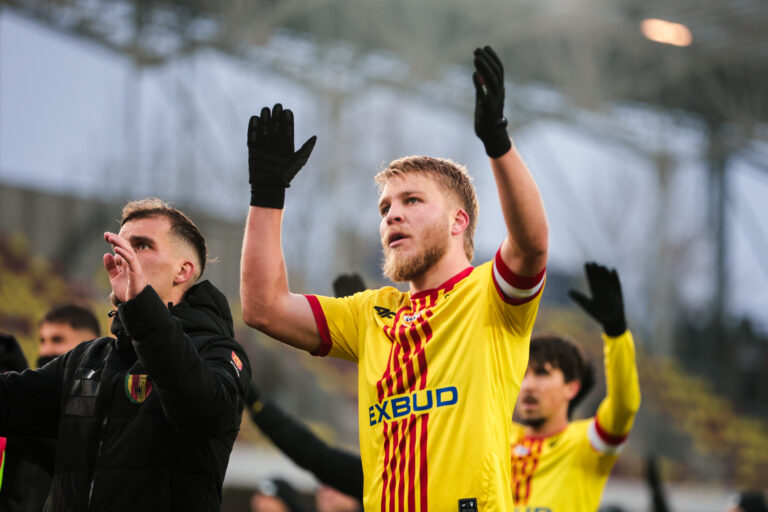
[(200, 391), (30, 400), (334, 467)]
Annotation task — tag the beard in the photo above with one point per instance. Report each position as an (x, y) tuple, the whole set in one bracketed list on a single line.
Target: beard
[(407, 268), (534, 423)]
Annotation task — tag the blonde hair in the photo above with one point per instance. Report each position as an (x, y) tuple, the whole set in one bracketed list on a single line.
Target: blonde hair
[(449, 175)]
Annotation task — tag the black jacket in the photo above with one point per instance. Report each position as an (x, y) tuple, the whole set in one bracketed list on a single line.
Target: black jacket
[(143, 422), (28, 460)]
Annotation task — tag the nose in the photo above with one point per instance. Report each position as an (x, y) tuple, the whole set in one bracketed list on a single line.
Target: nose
[(393, 215), (528, 380), (45, 348)]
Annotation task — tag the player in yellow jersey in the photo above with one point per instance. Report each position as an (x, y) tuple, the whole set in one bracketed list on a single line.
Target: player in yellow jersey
[(440, 366), (560, 465)]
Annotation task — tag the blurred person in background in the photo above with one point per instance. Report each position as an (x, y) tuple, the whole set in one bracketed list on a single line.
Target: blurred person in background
[(559, 464), (62, 329), (438, 362), (30, 460), (748, 501), (145, 420), (328, 499), (335, 467), (276, 495)]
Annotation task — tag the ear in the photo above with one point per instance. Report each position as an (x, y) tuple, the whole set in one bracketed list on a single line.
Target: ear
[(185, 272), (460, 222), (572, 389)]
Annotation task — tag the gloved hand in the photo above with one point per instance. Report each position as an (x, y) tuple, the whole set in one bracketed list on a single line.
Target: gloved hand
[(607, 304), (490, 123), (272, 163), (347, 284), (11, 356)]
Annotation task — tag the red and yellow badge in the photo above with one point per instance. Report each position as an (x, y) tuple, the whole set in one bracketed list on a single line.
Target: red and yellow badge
[(138, 387), (237, 361)]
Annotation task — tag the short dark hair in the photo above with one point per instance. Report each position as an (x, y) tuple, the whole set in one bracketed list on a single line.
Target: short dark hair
[(182, 226), (77, 317), (566, 355)]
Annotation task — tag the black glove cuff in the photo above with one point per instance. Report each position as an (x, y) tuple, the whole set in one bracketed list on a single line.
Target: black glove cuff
[(268, 196), (497, 142), (615, 329)]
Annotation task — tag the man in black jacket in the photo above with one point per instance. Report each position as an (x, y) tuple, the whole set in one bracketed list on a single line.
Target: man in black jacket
[(29, 463), (145, 421)]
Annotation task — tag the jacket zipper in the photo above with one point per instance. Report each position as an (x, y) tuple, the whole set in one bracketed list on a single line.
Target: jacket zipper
[(96, 462)]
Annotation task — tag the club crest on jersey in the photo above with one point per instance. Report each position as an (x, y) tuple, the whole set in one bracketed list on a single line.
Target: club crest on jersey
[(411, 318), (521, 450), (138, 387)]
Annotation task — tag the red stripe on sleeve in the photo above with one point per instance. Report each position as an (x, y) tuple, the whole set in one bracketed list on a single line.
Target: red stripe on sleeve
[(508, 300), (609, 438), (524, 283), (322, 327)]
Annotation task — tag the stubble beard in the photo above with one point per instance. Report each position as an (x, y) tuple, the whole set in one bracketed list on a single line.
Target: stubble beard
[(534, 423), (407, 268)]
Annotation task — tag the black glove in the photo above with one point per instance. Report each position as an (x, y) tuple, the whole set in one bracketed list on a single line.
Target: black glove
[(490, 123), (272, 163), (347, 284), (606, 305), (11, 357)]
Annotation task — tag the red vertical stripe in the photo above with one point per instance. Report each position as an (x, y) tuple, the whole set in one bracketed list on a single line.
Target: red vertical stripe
[(401, 469), (393, 466), (384, 473), (412, 463), (423, 464)]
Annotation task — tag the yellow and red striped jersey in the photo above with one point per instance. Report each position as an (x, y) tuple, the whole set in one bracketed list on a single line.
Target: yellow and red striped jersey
[(439, 374), (567, 471)]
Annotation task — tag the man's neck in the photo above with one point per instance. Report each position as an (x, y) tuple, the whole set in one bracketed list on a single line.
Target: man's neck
[(439, 273), (550, 427)]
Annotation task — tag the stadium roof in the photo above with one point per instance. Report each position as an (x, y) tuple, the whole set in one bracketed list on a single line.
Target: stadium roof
[(593, 51)]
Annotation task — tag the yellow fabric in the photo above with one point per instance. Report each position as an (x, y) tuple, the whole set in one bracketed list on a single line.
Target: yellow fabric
[(455, 357), (617, 410), (566, 472)]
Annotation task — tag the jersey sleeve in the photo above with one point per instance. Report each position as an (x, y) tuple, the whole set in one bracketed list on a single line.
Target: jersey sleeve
[(516, 297), (609, 430), (337, 322)]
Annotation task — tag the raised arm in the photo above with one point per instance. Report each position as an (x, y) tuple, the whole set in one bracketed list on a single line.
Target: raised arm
[(617, 411), (334, 467), (525, 248), (268, 305)]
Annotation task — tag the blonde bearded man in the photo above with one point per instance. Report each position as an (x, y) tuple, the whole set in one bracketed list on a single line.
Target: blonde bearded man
[(440, 366)]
